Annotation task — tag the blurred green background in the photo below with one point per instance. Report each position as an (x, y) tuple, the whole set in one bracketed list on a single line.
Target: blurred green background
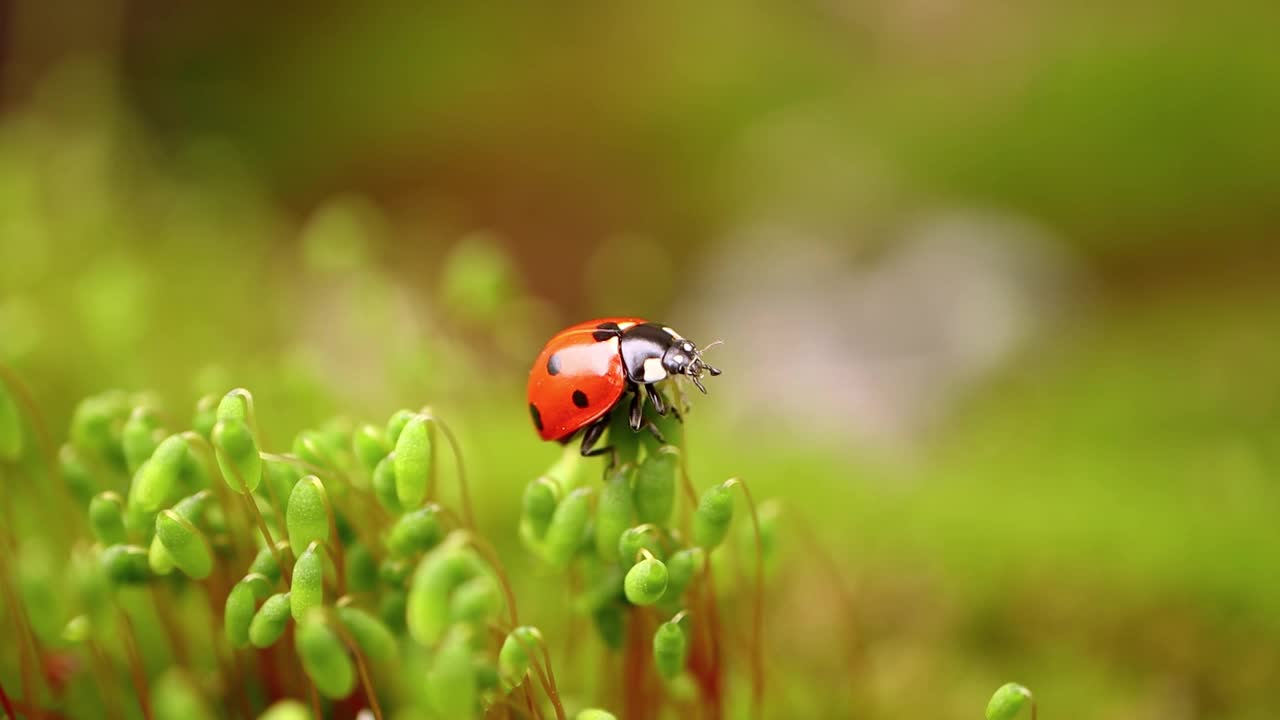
[(998, 287)]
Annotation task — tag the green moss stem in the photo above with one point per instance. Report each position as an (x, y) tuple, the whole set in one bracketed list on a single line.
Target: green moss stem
[(463, 489), (757, 609), (136, 669)]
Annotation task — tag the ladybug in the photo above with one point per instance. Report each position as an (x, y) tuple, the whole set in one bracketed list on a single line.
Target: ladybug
[(585, 370)]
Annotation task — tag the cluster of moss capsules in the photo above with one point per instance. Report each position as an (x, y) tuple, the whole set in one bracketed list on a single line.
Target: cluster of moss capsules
[(335, 553), (645, 568)]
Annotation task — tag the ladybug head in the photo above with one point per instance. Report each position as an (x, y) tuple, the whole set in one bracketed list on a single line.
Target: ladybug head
[(684, 358)]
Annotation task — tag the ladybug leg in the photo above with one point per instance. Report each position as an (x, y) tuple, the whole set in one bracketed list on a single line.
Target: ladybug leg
[(653, 428), (591, 436), (655, 399), (636, 414)]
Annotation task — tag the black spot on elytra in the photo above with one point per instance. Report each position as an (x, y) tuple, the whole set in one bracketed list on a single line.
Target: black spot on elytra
[(580, 398), (553, 364), (537, 416), (606, 330)]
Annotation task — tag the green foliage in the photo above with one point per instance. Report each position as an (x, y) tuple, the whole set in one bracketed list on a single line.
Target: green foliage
[(361, 563)]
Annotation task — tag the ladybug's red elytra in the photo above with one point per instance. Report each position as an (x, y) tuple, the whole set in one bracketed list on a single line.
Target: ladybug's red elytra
[(585, 370)]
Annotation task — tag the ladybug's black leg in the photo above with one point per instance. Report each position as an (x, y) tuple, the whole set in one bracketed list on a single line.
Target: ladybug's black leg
[(653, 428), (655, 399), (591, 436), (636, 414)]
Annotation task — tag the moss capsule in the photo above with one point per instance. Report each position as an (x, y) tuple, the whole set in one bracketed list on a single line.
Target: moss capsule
[(324, 657), (682, 566), (413, 461), (568, 525), (475, 600), (138, 437), (126, 564), (106, 518), (264, 563), (614, 511), (714, 514), (369, 445), (205, 416), (371, 635), (610, 622), (76, 474), (185, 544), (157, 480), (238, 612), (538, 505), (1008, 701), (396, 423), (645, 582), (513, 658), (307, 514), (438, 574), (361, 569), (633, 540), (237, 452), (669, 648), (655, 487), (415, 532), (384, 484), (270, 621), (307, 589), (287, 710), (158, 558), (451, 682)]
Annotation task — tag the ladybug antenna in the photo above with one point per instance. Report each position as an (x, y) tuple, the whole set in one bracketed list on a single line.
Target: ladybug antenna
[(711, 345)]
